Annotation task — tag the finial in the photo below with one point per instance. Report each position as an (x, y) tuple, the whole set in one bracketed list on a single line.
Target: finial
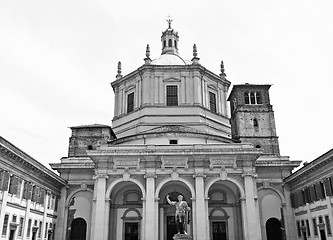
[(147, 51), (195, 59), (119, 71), (222, 70), (147, 59), (169, 21), (195, 51)]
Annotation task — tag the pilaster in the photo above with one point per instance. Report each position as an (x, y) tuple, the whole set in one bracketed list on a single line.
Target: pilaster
[(201, 221), (60, 231), (99, 191), (253, 223), (150, 207)]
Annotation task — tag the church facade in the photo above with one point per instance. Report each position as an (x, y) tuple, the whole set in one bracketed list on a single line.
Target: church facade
[(171, 135)]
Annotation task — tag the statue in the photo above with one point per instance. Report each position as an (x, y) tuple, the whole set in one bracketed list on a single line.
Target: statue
[(182, 213)]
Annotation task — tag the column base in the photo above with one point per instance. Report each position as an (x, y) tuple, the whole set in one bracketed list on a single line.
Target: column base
[(182, 237)]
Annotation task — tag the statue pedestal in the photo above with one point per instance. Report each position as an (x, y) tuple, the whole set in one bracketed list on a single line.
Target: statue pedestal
[(182, 237)]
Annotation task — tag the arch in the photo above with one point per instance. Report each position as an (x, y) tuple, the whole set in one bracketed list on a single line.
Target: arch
[(78, 229), (113, 184), (252, 98), (246, 98), (187, 183), (273, 229), (70, 196), (170, 43), (132, 210), (225, 214), (283, 200), (258, 98), (214, 180), (255, 122)]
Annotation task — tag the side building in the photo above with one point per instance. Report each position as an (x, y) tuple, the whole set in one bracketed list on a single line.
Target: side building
[(29, 194), (311, 190), (171, 135)]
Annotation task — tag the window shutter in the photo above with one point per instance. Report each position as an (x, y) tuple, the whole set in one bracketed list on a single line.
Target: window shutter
[(328, 189), (5, 181), (318, 191), (29, 194), (312, 193)]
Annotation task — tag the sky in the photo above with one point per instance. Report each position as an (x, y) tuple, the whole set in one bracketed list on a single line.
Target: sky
[(58, 58)]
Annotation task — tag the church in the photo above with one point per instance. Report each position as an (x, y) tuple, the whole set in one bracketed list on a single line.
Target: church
[(176, 131)]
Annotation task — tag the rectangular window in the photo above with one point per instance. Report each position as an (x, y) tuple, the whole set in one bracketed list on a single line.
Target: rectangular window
[(212, 101), (173, 141), (40, 229), (45, 233), (20, 227), (298, 229), (328, 225), (29, 228), (130, 102), (308, 228), (315, 227), (14, 218), (172, 95), (5, 225)]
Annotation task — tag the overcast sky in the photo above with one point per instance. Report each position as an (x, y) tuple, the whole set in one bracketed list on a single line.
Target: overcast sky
[(58, 58)]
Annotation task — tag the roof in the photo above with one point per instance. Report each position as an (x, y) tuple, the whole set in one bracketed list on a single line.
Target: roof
[(95, 125), (170, 59)]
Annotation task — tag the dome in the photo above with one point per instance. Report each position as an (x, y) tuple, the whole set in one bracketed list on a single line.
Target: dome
[(170, 59)]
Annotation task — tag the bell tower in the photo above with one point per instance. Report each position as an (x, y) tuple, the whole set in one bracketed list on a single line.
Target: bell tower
[(252, 117)]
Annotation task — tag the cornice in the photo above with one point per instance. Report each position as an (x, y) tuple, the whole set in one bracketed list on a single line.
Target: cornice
[(40, 170)]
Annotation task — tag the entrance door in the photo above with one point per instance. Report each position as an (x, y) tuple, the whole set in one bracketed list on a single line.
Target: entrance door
[(11, 234), (171, 227), (219, 230), (79, 228), (322, 234), (132, 231), (273, 229)]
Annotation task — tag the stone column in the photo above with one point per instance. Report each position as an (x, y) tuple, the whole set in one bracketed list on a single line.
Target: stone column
[(99, 191), (107, 217), (251, 209), (289, 216), (244, 217), (60, 231), (150, 221), (201, 221)]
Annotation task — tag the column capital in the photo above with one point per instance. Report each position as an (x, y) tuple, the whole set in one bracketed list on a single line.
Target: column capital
[(249, 174), (100, 175), (199, 174), (242, 199), (150, 175)]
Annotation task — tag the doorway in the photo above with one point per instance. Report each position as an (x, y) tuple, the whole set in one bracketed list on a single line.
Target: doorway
[(273, 229), (171, 227), (11, 234), (131, 231), (322, 234), (219, 230), (79, 228)]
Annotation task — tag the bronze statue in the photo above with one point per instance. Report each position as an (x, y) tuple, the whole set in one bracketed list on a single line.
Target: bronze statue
[(182, 213)]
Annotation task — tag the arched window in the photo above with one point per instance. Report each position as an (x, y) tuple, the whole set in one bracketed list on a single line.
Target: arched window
[(90, 147), (258, 98), (164, 43), (255, 123), (252, 98), (247, 98), (170, 43), (175, 44)]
